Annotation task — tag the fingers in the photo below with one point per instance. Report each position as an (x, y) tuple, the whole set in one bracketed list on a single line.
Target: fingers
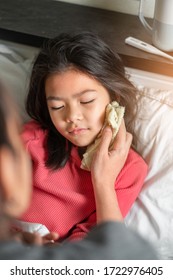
[(123, 138), (31, 238), (36, 238), (50, 237), (105, 139)]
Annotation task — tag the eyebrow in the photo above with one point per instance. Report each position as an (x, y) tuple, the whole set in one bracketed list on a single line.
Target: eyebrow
[(75, 95)]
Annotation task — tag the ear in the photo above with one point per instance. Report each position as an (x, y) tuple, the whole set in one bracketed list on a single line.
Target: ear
[(8, 181)]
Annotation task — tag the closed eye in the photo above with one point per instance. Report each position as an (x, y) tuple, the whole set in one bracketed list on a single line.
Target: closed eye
[(56, 108), (87, 102)]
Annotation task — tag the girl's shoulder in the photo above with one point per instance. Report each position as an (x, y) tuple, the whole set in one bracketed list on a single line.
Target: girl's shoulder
[(32, 131), (136, 160)]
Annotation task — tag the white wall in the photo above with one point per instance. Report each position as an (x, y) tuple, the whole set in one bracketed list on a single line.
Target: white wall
[(124, 6)]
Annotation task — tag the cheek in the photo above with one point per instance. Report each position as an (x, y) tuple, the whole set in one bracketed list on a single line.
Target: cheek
[(99, 112), (98, 116)]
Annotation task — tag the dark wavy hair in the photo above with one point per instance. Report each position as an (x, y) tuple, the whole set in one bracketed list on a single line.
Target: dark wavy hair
[(89, 54)]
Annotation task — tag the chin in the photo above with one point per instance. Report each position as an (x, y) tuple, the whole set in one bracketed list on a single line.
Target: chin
[(81, 145), (83, 142)]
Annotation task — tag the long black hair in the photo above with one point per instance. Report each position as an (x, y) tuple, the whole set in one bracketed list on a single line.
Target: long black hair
[(87, 53)]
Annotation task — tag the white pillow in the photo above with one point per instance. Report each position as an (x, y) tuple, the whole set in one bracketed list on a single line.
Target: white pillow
[(15, 66), (152, 213)]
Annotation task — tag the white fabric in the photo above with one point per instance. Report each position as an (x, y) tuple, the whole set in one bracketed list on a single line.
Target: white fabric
[(15, 66), (152, 213), (32, 227)]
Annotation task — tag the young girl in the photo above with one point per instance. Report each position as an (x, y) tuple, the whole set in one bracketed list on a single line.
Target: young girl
[(103, 242), (73, 79)]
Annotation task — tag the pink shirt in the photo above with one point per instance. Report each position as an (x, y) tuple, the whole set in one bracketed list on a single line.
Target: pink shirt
[(63, 200)]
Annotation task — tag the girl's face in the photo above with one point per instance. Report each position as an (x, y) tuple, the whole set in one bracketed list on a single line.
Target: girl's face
[(76, 103)]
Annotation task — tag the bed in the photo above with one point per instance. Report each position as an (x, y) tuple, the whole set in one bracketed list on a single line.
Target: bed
[(152, 213)]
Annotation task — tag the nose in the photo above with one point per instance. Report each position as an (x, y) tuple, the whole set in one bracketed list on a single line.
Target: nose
[(73, 114)]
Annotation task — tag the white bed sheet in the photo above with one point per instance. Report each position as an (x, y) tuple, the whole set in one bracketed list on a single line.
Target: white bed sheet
[(152, 213)]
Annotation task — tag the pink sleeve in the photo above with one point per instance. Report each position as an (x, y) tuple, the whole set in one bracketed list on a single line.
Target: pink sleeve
[(31, 131), (130, 181)]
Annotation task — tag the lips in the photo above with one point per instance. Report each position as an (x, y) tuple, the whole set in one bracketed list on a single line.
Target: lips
[(78, 131)]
